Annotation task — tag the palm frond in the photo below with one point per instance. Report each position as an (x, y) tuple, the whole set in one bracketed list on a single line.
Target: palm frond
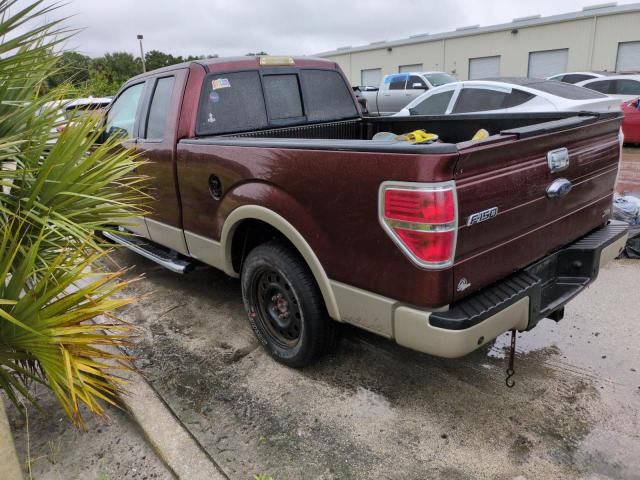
[(56, 190)]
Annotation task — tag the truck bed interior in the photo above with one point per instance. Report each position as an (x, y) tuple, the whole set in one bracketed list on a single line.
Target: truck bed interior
[(451, 129)]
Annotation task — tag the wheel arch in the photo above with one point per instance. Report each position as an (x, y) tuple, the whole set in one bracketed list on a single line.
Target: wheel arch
[(288, 231)]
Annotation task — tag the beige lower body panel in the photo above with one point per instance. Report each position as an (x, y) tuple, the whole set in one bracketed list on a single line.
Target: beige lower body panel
[(410, 326), (137, 225), (167, 236), (413, 330), (204, 249), (364, 309)]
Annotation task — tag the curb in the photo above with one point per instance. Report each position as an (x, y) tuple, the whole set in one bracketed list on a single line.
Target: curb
[(169, 438), (9, 464)]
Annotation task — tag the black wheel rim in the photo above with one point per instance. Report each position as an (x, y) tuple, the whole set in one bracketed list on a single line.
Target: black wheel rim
[(278, 308)]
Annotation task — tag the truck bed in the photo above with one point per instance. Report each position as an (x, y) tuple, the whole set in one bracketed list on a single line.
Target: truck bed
[(507, 171), (450, 128)]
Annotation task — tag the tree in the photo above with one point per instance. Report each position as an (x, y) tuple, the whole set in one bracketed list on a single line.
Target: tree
[(250, 54), (72, 68), (55, 191), (157, 59)]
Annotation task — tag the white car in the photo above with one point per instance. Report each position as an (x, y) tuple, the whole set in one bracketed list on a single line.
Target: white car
[(622, 87), (68, 109), (575, 77), (508, 95)]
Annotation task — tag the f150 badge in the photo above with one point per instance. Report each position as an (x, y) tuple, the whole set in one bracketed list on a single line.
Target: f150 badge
[(482, 216)]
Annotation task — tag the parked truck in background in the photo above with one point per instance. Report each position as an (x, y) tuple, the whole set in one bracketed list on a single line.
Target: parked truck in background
[(264, 168), (398, 89)]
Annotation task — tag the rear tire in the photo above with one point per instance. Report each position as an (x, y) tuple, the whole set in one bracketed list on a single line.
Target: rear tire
[(284, 305)]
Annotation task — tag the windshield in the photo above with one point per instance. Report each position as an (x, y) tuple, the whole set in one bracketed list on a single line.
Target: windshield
[(437, 79)]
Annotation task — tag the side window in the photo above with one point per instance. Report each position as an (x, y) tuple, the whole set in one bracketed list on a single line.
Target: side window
[(398, 82), (327, 96), (282, 94), (603, 86), (122, 115), (158, 112), (434, 105), (479, 100), (575, 78), (231, 102), (627, 87), (416, 83), (517, 97)]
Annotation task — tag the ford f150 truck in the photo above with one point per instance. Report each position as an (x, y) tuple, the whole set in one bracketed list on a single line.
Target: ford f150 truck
[(398, 89), (264, 168)]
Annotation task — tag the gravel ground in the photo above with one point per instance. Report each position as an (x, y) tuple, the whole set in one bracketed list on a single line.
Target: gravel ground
[(108, 450), (372, 409)]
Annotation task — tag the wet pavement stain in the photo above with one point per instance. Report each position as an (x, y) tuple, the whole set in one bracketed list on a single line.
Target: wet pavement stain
[(372, 409)]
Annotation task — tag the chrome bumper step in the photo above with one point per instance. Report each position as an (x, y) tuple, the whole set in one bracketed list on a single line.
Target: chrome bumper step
[(167, 258)]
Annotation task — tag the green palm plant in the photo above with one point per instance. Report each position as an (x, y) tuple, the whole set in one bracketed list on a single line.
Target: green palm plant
[(56, 191)]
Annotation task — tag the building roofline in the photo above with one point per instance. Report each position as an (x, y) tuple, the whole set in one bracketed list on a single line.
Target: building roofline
[(591, 11)]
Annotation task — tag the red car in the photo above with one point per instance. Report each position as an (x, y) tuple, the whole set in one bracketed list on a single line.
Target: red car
[(631, 122)]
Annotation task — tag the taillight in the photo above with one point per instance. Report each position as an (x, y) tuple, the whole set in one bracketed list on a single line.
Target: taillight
[(422, 220)]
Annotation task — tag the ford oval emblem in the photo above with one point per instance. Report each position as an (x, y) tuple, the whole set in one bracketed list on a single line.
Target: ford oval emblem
[(559, 188)]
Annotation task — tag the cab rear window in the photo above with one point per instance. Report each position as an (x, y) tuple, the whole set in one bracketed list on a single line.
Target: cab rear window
[(231, 102), (282, 93), (253, 100), (327, 96)]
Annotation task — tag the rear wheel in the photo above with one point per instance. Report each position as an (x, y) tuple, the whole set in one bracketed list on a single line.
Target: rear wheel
[(284, 305)]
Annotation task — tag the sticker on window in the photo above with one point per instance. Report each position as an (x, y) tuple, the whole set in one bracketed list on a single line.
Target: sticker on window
[(214, 97), (219, 83)]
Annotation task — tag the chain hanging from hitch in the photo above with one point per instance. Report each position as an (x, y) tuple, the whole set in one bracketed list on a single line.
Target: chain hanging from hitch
[(512, 358)]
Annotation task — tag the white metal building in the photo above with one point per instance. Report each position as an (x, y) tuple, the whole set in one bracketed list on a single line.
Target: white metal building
[(600, 37)]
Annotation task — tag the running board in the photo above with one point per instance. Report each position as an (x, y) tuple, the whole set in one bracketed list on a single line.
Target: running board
[(167, 258)]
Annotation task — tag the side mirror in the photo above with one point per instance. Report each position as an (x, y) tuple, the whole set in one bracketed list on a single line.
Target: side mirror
[(419, 86)]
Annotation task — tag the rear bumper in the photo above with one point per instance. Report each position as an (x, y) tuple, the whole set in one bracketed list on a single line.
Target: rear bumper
[(518, 302)]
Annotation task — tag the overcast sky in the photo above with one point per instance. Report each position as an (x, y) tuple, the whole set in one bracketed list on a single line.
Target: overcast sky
[(227, 27)]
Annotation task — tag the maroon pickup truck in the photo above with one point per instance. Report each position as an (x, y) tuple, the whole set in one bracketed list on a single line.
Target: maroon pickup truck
[(264, 168)]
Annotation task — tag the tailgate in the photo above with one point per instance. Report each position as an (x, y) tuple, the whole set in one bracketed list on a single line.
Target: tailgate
[(511, 173)]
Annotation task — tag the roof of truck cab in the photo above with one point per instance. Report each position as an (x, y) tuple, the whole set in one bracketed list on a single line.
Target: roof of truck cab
[(220, 64)]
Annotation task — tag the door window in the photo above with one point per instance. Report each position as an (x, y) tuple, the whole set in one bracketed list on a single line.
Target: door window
[(627, 87), (517, 97), (121, 118), (397, 82), (433, 105), (602, 86), (159, 110), (479, 100), (415, 82)]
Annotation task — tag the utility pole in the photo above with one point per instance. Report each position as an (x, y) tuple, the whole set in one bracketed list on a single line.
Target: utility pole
[(144, 66)]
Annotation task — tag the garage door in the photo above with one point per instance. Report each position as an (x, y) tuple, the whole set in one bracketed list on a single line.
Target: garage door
[(371, 77), (628, 57), (547, 63), (484, 67), (416, 67)]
